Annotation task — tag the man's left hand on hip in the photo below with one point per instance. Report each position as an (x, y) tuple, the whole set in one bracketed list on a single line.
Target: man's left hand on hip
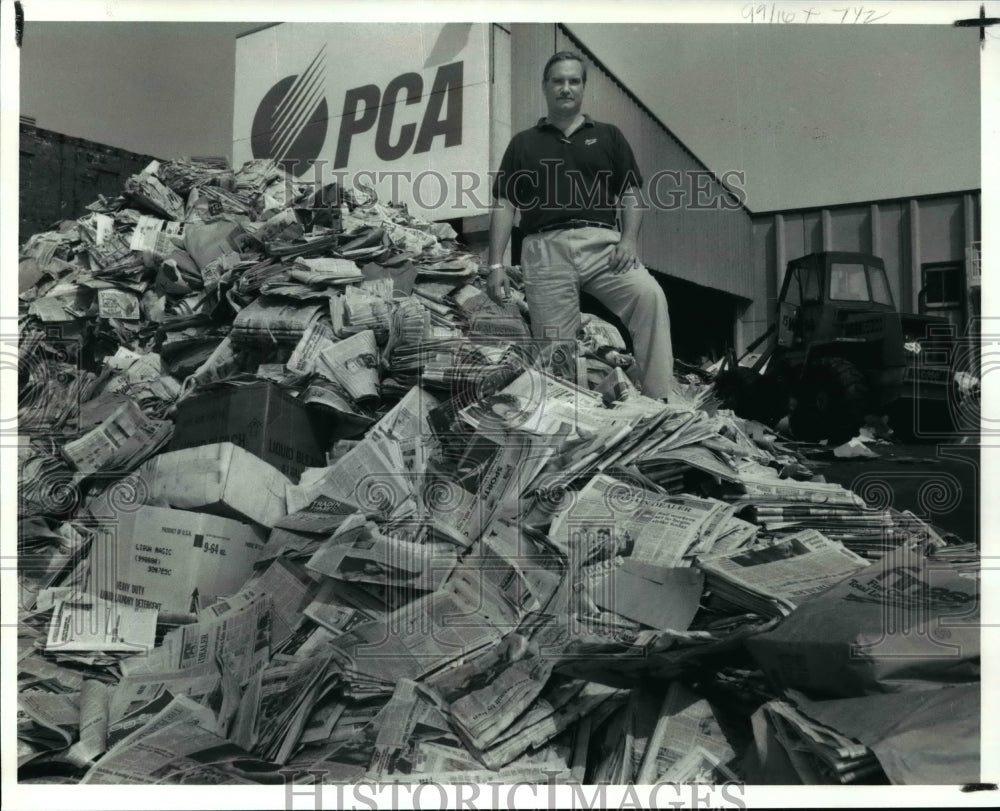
[(624, 257)]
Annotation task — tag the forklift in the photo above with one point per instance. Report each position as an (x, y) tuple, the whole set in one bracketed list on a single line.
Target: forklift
[(835, 356)]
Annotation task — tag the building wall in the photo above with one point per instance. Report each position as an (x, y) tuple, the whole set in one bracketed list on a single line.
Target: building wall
[(61, 175), (907, 234), (756, 317), (500, 92), (474, 229)]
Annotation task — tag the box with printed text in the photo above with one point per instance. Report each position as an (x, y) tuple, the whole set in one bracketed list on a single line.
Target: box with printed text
[(156, 557), (260, 418)]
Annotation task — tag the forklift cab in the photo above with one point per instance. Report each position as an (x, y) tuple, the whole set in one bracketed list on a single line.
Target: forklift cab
[(825, 296)]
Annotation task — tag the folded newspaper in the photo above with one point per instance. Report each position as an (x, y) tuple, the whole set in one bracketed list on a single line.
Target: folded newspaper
[(775, 578)]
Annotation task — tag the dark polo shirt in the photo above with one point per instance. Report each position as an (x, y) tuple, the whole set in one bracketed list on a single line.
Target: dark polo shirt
[(553, 179)]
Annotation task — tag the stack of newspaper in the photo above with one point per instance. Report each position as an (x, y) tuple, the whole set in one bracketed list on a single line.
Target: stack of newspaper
[(623, 738), (866, 531), (484, 317), (52, 388), (274, 321), (311, 245), (415, 742), (183, 176), (360, 551), (250, 279), (412, 341), (436, 296), (450, 270), (47, 552), (178, 743), (367, 306), (817, 753), (121, 441), (761, 482), (688, 744), (148, 190), (412, 641), (369, 477), (771, 579), (629, 520)]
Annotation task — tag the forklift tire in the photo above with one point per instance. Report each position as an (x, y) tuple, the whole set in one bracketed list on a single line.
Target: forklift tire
[(750, 395), (831, 403)]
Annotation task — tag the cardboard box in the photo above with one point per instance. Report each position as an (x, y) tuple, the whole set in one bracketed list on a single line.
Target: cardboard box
[(222, 478), (157, 557), (261, 418)]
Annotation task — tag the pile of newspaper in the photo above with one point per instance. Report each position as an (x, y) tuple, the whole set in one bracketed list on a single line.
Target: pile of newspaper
[(472, 557)]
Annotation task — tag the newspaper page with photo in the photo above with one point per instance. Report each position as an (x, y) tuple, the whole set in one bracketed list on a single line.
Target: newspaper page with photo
[(487, 485), (353, 363), (783, 573), (650, 528), (314, 341)]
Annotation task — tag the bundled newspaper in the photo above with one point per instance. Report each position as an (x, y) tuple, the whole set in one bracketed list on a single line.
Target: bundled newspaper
[(776, 577), (815, 752)]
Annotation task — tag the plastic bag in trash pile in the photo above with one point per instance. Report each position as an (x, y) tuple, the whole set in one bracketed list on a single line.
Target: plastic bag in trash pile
[(904, 623)]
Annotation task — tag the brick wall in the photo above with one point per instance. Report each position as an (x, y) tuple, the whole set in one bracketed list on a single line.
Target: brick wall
[(61, 175)]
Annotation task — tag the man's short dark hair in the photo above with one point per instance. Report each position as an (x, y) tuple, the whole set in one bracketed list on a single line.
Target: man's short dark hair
[(564, 56)]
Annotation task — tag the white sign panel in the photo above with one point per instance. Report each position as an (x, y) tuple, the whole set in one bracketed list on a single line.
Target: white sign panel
[(400, 107)]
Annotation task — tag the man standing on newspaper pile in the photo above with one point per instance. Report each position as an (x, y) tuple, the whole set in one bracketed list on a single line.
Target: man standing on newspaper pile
[(569, 175)]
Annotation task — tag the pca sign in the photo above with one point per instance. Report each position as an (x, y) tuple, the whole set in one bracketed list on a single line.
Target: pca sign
[(399, 99)]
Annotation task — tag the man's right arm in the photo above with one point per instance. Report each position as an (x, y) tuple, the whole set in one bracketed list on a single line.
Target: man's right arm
[(501, 223)]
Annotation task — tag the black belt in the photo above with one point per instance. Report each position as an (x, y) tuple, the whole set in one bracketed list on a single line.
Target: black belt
[(559, 226)]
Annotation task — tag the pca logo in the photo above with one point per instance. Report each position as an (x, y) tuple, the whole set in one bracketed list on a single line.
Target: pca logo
[(291, 120)]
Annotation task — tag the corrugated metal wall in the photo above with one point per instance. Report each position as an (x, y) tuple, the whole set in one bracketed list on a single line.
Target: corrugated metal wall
[(757, 317), (905, 233), (531, 46)]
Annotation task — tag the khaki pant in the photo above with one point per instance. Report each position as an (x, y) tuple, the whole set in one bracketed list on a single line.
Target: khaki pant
[(557, 265)]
